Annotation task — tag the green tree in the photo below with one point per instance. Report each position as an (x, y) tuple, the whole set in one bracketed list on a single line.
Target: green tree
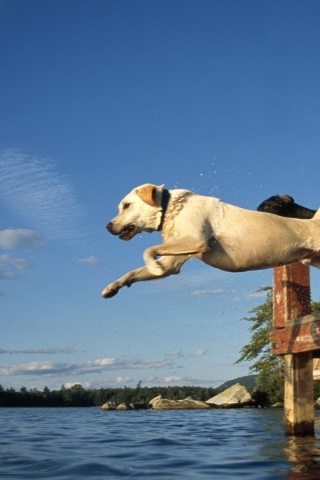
[(261, 328), (270, 379)]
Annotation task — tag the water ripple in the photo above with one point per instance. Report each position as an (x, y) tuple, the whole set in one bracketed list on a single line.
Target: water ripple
[(71, 444)]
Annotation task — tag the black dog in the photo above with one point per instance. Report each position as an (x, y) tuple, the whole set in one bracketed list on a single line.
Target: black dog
[(285, 206)]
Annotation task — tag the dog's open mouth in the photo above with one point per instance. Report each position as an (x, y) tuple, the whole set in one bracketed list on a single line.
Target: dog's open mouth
[(127, 232)]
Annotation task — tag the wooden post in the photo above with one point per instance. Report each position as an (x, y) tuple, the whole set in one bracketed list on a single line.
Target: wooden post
[(291, 300)]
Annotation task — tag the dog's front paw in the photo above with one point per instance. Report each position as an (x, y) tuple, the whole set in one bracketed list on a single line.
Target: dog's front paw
[(110, 291), (155, 268)]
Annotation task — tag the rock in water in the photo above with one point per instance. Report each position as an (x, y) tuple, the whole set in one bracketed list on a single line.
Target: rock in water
[(235, 396), (109, 406), (155, 399), (186, 404)]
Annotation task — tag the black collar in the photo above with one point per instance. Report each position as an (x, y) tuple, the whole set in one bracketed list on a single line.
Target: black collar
[(164, 204)]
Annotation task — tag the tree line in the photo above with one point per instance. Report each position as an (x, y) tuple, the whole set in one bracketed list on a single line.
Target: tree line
[(77, 396), (268, 368)]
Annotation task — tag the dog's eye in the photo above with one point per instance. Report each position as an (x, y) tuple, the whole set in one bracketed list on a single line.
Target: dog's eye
[(126, 205)]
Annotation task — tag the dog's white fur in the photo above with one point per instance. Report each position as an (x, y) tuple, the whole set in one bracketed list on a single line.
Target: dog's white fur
[(221, 235)]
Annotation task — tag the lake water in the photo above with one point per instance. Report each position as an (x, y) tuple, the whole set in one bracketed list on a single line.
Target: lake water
[(87, 443)]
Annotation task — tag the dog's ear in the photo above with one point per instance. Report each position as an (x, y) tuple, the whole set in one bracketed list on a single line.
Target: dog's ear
[(149, 194)]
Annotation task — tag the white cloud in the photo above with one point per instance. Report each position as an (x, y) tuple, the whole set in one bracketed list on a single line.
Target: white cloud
[(33, 368), (33, 188), (104, 361), (69, 385), (205, 293), (11, 239), (92, 366), (10, 266), (201, 351), (123, 379), (20, 238), (92, 260), (172, 379)]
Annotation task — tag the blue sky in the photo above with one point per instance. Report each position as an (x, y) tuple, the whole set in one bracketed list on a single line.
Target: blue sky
[(219, 97)]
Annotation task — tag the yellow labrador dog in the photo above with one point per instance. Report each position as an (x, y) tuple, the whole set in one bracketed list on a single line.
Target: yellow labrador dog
[(221, 235)]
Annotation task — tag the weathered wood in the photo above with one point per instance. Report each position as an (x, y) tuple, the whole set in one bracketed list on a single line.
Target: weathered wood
[(298, 396), (291, 299), (300, 335), (291, 293)]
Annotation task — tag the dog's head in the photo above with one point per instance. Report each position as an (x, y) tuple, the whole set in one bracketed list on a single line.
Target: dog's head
[(277, 204), (285, 206), (139, 211)]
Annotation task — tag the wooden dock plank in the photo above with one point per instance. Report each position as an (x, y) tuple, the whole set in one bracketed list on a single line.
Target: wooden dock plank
[(295, 340), (301, 335)]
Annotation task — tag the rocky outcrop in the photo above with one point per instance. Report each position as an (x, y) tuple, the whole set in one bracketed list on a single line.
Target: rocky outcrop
[(123, 406), (159, 403), (154, 400), (109, 406), (235, 396)]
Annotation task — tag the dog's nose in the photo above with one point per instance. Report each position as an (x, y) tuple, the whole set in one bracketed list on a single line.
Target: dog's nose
[(109, 226)]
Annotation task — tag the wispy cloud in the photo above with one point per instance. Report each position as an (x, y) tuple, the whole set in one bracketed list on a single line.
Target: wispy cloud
[(34, 189), (99, 365), (92, 260), (201, 351), (205, 293), (44, 351), (172, 379), (10, 266), (37, 368), (150, 379), (11, 239), (175, 353)]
